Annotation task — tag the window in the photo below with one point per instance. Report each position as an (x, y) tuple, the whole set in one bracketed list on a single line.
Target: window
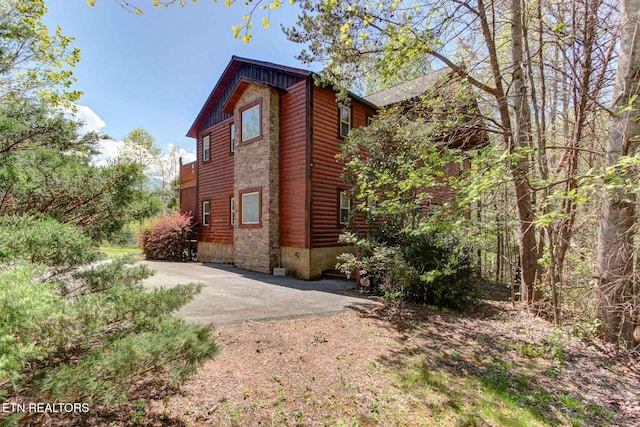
[(345, 207), (250, 208), (429, 208), (250, 128), (232, 208), (206, 213), (232, 135), (345, 121), (206, 148)]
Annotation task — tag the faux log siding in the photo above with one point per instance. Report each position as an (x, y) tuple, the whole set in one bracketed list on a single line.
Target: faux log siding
[(326, 171), (293, 146), (216, 184), (442, 192)]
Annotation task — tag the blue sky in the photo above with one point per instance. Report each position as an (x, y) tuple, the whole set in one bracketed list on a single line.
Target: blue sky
[(155, 71)]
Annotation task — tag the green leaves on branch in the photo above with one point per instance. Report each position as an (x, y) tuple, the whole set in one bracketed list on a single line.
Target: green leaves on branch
[(29, 124), (169, 352), (46, 169), (34, 63), (44, 241)]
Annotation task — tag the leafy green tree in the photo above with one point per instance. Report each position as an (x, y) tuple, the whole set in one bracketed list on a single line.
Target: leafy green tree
[(46, 169), (27, 124), (173, 203), (539, 107), (34, 63), (138, 148), (400, 171), (378, 38)]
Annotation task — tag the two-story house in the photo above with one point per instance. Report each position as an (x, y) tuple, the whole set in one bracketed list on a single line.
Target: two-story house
[(266, 189)]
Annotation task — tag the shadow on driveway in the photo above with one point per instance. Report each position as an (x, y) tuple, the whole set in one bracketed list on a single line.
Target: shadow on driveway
[(232, 295)]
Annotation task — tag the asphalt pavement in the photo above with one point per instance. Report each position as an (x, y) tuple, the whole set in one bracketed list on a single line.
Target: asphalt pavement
[(231, 295)]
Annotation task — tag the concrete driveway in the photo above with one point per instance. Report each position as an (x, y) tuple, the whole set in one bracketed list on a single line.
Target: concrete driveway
[(232, 295)]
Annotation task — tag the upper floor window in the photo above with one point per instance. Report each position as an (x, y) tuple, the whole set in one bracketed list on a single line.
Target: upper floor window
[(232, 137), (345, 207), (345, 121), (250, 123), (206, 213), (206, 148)]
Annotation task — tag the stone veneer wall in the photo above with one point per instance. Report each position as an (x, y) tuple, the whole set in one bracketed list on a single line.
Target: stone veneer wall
[(215, 252), (257, 165)]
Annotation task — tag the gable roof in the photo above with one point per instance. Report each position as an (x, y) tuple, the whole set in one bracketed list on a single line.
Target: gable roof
[(407, 90), (227, 77)]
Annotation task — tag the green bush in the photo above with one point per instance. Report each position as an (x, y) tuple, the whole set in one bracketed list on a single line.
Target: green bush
[(381, 264), (94, 335), (432, 268), (167, 238), (44, 241), (29, 309), (446, 268), (107, 317), (170, 351)]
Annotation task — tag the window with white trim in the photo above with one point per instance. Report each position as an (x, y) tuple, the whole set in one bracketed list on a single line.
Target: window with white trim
[(345, 207), (206, 213), (232, 208), (232, 135), (206, 148), (345, 121)]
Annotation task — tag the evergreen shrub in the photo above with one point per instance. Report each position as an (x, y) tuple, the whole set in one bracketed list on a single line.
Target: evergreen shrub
[(94, 334), (446, 267), (41, 240)]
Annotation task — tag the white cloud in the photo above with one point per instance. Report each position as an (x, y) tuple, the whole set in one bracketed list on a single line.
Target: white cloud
[(91, 121), (187, 156), (108, 151)]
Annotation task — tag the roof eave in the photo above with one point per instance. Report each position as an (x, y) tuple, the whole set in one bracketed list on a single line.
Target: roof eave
[(351, 95), (231, 68)]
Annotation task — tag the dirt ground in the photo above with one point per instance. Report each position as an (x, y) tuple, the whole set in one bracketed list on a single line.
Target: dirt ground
[(492, 366)]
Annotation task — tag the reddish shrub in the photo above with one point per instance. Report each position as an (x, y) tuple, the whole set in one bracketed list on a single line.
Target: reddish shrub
[(167, 238)]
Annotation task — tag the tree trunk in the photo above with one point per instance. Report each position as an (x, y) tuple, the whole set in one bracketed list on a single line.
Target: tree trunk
[(617, 304), (520, 167)]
